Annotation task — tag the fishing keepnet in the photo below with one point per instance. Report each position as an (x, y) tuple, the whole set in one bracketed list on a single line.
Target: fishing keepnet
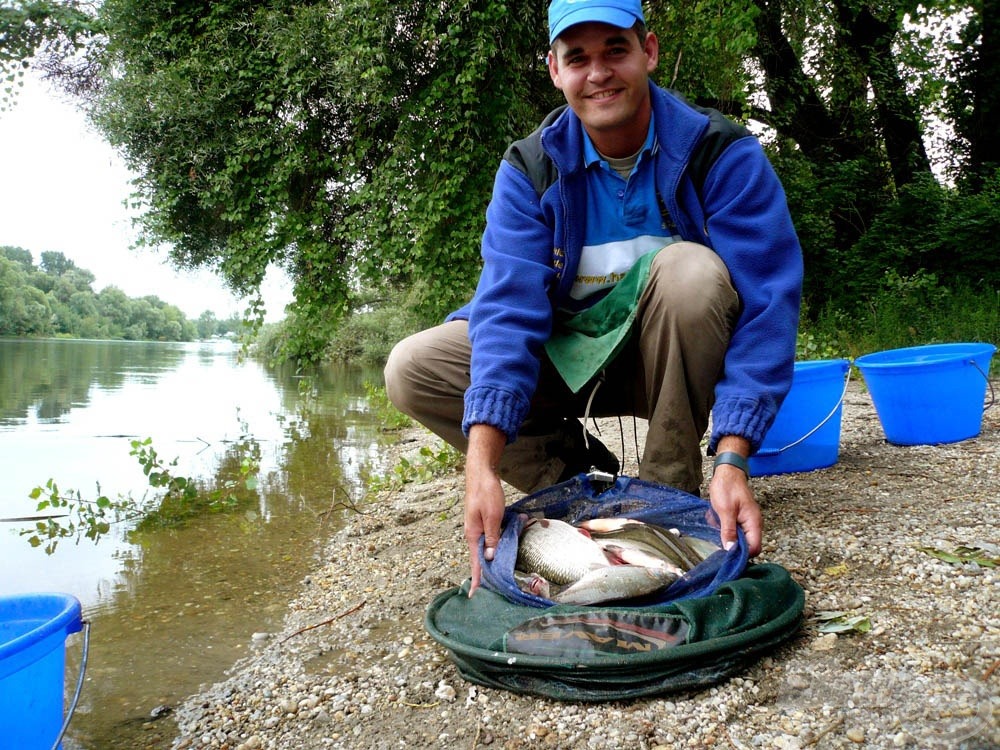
[(580, 500), (691, 635)]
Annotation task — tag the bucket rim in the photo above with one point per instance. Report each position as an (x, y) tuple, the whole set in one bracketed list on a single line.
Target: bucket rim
[(821, 368), (925, 354), (54, 612), (816, 362)]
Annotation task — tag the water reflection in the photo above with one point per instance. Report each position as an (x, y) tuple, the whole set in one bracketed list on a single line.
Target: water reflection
[(44, 379), (173, 606)]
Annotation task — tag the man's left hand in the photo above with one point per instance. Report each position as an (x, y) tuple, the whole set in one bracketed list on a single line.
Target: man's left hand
[(732, 498), (733, 501)]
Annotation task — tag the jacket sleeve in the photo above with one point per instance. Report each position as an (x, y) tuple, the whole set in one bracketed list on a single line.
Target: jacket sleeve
[(750, 227), (510, 317)]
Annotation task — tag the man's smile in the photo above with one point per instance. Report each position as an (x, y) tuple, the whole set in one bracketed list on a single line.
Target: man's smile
[(605, 94)]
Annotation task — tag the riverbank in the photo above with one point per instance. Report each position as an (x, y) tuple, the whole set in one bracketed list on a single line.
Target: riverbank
[(354, 668)]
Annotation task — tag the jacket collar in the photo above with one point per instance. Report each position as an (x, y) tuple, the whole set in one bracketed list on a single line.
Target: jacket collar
[(678, 126)]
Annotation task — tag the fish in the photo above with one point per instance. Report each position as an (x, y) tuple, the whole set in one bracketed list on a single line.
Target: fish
[(532, 583), (627, 553), (615, 582), (701, 547), (652, 539), (557, 551)]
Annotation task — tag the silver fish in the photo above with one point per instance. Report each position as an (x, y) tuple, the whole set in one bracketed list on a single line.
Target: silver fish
[(701, 547), (653, 539), (557, 551), (615, 582), (626, 552)]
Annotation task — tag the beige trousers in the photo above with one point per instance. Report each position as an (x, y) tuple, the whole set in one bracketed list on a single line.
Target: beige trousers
[(666, 374)]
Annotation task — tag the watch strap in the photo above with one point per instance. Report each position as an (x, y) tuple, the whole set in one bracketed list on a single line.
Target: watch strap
[(733, 459)]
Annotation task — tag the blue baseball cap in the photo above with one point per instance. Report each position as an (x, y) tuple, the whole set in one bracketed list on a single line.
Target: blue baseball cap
[(566, 13)]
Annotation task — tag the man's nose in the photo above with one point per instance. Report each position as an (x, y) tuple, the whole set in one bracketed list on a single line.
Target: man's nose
[(598, 71)]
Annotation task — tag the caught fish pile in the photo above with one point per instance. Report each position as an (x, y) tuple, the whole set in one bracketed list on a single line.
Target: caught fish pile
[(603, 559)]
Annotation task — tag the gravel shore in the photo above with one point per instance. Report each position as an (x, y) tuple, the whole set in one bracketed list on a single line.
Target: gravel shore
[(354, 668)]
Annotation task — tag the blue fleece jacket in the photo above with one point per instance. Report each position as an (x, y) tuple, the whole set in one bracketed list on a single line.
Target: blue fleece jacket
[(534, 237)]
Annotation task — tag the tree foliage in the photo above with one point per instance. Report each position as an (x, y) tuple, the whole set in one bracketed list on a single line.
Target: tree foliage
[(50, 33), (57, 298), (354, 142)]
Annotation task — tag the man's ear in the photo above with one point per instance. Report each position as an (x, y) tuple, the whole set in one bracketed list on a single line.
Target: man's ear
[(652, 49), (553, 65)]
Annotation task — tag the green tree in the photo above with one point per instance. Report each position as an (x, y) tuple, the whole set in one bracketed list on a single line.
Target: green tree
[(259, 139), (972, 101), (115, 307), (207, 324), (24, 310), (59, 298), (50, 33), (20, 256), (56, 264)]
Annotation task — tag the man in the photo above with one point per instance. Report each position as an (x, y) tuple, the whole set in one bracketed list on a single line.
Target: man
[(638, 259)]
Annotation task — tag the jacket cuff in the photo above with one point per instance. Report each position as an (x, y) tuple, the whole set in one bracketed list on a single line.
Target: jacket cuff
[(497, 408), (742, 417)]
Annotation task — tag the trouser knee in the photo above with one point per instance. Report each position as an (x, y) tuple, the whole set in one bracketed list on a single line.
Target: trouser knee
[(426, 376), (693, 281), (399, 367)]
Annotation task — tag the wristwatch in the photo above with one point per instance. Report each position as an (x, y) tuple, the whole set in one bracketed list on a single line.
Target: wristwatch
[(734, 459)]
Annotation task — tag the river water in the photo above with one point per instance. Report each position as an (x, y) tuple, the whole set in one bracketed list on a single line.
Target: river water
[(174, 604)]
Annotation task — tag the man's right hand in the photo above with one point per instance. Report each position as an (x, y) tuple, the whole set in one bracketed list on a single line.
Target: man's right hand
[(484, 496)]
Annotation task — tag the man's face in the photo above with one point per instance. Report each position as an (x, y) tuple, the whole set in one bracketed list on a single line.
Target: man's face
[(603, 73)]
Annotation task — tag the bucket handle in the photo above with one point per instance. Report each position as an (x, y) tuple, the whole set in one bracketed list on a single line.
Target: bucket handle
[(993, 395), (79, 684), (814, 430)]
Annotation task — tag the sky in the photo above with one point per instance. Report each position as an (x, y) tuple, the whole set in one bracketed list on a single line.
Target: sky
[(63, 188)]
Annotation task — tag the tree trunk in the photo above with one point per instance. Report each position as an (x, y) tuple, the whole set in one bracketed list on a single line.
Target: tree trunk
[(985, 146), (797, 111), (870, 39)]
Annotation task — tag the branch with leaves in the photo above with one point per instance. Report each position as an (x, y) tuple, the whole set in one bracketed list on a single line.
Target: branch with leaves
[(70, 515)]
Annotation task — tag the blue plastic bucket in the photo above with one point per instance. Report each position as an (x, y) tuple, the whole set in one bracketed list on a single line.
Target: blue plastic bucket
[(805, 434), (33, 632), (925, 395)]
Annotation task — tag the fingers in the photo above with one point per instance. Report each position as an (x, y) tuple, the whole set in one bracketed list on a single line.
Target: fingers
[(736, 507), (752, 523), (476, 567), (490, 541), (753, 527), (727, 532)]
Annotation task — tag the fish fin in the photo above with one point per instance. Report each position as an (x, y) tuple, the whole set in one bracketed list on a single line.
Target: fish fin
[(613, 553), (677, 545)]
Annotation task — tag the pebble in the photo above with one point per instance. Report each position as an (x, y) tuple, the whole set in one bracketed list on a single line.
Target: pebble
[(445, 692), (798, 682), (825, 642), (856, 735)]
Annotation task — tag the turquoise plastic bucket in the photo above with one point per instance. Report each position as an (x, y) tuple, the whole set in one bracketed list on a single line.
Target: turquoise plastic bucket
[(925, 395), (805, 434), (33, 632)]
